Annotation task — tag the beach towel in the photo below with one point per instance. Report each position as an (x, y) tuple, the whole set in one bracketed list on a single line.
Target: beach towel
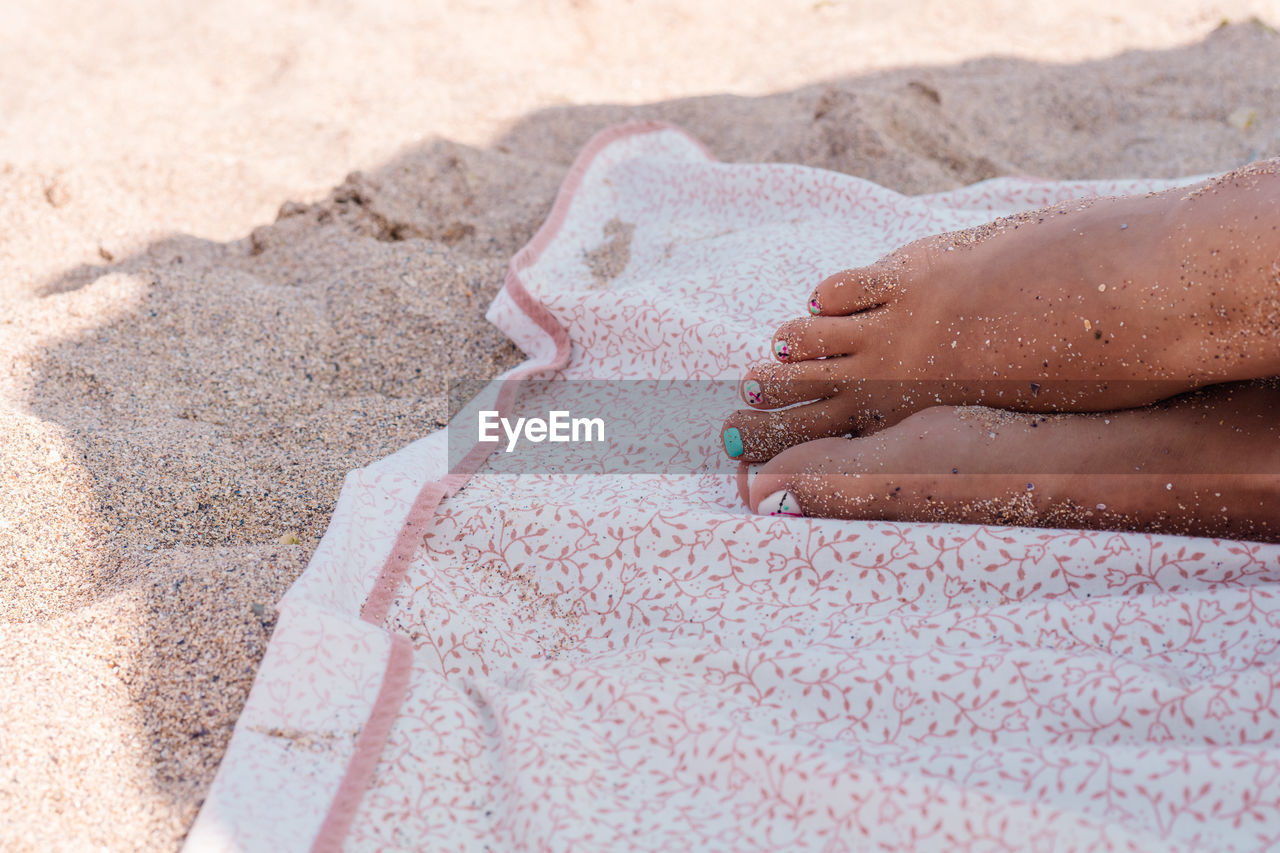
[(480, 657)]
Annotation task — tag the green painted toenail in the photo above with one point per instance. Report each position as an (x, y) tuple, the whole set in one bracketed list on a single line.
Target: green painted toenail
[(733, 442), (814, 307)]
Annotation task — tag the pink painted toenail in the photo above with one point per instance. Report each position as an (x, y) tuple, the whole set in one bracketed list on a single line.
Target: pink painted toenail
[(780, 349), (780, 503), (814, 307)]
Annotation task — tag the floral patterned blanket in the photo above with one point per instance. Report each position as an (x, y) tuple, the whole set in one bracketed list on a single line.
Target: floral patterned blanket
[(481, 658)]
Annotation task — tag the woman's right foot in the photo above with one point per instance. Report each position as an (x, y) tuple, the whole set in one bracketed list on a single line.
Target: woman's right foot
[(1207, 463), (1093, 305)]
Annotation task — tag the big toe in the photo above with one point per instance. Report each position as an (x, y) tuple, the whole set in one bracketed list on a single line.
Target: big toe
[(793, 482), (756, 436)]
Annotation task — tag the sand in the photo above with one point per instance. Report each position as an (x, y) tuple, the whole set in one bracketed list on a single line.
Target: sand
[(244, 246)]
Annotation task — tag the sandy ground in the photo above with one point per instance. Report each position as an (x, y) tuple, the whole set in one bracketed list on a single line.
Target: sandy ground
[(244, 245)]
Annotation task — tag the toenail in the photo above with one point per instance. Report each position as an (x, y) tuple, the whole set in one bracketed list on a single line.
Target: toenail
[(780, 503), (814, 307), (751, 391), (733, 442), (780, 349)]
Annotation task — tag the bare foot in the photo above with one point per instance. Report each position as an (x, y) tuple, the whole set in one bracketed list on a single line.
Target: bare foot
[(1207, 463), (1092, 305)]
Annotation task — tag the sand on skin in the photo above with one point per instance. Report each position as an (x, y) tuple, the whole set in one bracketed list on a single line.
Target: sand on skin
[(206, 320)]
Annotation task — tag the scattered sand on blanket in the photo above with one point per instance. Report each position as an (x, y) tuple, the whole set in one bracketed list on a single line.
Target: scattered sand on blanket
[(204, 325), (607, 261)]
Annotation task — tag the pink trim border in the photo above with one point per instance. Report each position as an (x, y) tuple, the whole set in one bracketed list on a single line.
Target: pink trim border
[(395, 680), (368, 748)]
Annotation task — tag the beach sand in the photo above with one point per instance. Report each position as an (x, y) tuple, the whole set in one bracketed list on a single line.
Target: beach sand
[(244, 246)]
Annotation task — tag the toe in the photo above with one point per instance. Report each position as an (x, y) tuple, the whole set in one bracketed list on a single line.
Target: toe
[(791, 483), (854, 290), (781, 502), (772, 385), (824, 337), (751, 436)]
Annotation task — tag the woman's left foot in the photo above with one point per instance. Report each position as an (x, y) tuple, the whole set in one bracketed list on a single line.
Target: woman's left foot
[(1207, 464), (1090, 306)]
